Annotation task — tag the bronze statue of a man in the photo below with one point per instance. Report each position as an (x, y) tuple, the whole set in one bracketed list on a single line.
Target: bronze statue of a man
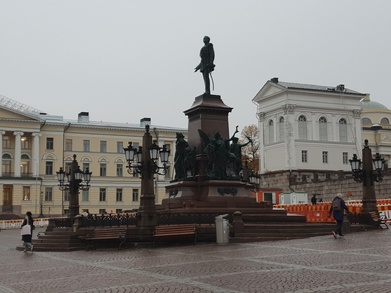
[(206, 65)]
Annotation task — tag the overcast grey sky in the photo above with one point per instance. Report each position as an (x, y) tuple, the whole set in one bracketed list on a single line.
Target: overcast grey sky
[(125, 60)]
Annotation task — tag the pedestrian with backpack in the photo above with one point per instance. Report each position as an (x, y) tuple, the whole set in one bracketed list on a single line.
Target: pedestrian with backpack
[(338, 207)]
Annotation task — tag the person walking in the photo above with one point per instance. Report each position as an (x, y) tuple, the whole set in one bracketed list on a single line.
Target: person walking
[(27, 232), (338, 207)]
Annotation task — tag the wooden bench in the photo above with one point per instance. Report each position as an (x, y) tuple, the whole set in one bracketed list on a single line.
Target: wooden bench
[(378, 219), (175, 231), (103, 234)]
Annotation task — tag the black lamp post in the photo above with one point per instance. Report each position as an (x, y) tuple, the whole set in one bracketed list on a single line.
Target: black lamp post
[(144, 161), (74, 180), (368, 176)]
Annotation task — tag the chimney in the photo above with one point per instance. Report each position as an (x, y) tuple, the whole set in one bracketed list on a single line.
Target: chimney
[(145, 121), (341, 88), (274, 80), (83, 117)]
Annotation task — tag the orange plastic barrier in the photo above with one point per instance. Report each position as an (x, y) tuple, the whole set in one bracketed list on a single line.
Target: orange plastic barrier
[(320, 211)]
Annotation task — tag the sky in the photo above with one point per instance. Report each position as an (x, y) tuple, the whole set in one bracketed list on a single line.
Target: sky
[(125, 60)]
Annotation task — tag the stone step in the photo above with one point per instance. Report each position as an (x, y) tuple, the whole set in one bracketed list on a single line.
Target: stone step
[(262, 239), (285, 234)]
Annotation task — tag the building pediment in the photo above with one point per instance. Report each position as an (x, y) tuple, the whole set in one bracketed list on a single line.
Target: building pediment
[(270, 89), (12, 114)]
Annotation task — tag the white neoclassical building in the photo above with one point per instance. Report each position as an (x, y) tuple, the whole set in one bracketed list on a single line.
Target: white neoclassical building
[(34, 145), (308, 127)]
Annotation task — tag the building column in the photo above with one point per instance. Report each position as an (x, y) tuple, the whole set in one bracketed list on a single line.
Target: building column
[(290, 147), (314, 135), (18, 153), (1, 152), (335, 129), (261, 130), (35, 153), (357, 130)]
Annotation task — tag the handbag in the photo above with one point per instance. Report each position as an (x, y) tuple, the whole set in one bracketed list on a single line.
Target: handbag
[(26, 230)]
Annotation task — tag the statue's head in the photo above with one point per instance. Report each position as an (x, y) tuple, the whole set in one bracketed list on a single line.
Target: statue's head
[(206, 39), (179, 135), (235, 139)]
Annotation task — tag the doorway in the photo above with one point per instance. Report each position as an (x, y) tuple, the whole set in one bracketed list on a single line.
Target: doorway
[(7, 199)]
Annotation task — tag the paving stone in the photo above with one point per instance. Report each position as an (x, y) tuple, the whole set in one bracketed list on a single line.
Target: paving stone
[(359, 263)]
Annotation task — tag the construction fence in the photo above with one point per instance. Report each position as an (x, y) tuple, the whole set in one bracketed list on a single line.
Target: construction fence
[(13, 224), (320, 211)]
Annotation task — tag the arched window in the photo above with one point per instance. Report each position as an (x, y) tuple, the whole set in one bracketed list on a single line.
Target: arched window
[(271, 131), (7, 163), (24, 164), (366, 121), (384, 121), (281, 129), (7, 157), (323, 128), (302, 127), (343, 130)]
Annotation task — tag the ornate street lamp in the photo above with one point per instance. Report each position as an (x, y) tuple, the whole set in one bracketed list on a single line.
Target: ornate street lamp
[(75, 180), (144, 161), (363, 172), (137, 163)]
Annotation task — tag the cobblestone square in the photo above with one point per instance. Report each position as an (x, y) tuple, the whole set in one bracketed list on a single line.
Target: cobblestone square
[(359, 263)]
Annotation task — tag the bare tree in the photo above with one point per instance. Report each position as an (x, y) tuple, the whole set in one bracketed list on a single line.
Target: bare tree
[(250, 152)]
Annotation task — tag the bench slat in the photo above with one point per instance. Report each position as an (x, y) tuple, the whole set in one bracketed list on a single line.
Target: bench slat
[(104, 234), (175, 230)]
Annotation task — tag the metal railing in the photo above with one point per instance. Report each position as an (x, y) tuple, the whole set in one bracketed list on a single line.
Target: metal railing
[(117, 220)]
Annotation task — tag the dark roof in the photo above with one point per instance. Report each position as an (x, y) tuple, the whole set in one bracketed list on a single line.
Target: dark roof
[(320, 88)]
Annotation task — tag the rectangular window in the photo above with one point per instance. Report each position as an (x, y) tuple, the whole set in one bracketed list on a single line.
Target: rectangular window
[(86, 166), (85, 195), (68, 166), (304, 156), (102, 211), (6, 142), (49, 143), (7, 165), (102, 194), (25, 145), (48, 194), (24, 168), (135, 195), (325, 157), (66, 195), (102, 169), (120, 170), (26, 192), (49, 168), (118, 211), (68, 144), (86, 145), (103, 146), (345, 159), (120, 147), (118, 196)]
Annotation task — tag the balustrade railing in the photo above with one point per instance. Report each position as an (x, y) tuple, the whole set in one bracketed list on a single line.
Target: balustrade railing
[(117, 220)]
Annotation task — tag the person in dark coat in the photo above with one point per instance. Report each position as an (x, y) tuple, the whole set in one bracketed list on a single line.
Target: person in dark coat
[(28, 220), (338, 207), (313, 199)]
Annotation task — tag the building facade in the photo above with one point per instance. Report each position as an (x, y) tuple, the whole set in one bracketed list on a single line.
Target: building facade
[(34, 145), (308, 134), (307, 127)]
